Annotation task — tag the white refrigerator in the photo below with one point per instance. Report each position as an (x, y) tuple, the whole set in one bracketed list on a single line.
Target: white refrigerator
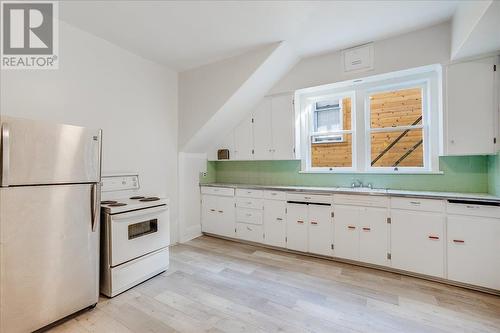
[(49, 222)]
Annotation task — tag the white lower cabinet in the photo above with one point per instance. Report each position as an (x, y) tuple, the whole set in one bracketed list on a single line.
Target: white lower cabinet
[(373, 236), (275, 223), (474, 250), (455, 239), (361, 234), (249, 232), (320, 229), (296, 227), (217, 216), (417, 241), (309, 228)]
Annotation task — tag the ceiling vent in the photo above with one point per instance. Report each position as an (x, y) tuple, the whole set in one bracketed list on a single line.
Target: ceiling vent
[(358, 59)]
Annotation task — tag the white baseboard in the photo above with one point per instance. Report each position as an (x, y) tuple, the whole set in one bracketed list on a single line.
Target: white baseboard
[(190, 233)]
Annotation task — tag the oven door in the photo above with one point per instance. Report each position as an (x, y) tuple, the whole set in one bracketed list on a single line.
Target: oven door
[(136, 233)]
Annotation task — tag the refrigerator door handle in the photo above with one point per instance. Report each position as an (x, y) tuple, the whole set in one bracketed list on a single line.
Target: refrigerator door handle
[(95, 198), (5, 153)]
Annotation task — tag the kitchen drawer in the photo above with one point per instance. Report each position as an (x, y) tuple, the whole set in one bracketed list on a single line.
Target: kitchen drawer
[(249, 203), (248, 193), (275, 195), (250, 232), (225, 191), (426, 205), (473, 209), (305, 197), (246, 215), (361, 200)]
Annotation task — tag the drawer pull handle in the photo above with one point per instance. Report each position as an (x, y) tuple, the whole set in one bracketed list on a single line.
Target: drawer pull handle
[(366, 229), (351, 227), (221, 211), (314, 222), (249, 229), (248, 202), (248, 214), (300, 221), (249, 192), (212, 210), (279, 219), (415, 202), (434, 237), (307, 198), (274, 193), (458, 241), (472, 207)]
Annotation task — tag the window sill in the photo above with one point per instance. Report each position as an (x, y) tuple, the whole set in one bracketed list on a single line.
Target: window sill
[(373, 172)]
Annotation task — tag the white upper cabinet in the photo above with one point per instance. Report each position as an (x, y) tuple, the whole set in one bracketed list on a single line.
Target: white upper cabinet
[(283, 124), (471, 108), (262, 137), (267, 134), (243, 140)]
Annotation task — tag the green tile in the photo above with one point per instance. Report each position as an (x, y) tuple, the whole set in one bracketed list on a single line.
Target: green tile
[(460, 174)]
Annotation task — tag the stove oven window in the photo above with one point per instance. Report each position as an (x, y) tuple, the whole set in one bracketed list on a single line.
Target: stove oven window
[(142, 228)]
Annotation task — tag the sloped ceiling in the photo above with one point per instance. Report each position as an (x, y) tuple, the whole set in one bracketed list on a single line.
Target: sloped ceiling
[(202, 125)]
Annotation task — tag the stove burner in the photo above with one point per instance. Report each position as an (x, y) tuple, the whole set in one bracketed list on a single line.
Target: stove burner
[(137, 197), (107, 202), (150, 199), (117, 204)]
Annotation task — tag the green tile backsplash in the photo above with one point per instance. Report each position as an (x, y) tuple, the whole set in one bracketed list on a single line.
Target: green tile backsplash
[(494, 174), (460, 174)]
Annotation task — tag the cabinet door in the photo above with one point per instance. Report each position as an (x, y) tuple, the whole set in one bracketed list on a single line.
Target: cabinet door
[(243, 140), (346, 234), (209, 213), (417, 243), (474, 250), (225, 216), (470, 108), (373, 236), (296, 227), (275, 223), (262, 131), (320, 231), (283, 121)]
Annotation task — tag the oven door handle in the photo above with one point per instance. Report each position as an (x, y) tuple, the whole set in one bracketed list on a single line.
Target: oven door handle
[(150, 211)]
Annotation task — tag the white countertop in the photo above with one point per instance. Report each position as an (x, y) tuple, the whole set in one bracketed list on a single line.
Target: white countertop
[(368, 191)]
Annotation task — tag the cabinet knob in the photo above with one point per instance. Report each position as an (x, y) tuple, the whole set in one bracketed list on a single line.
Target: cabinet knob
[(212, 210), (221, 211), (279, 219)]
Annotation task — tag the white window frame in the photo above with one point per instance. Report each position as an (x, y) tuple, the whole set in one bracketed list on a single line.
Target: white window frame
[(422, 84), (429, 77), (307, 130), (314, 122)]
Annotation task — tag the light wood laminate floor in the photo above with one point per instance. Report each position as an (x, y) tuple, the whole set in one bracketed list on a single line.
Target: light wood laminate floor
[(215, 285)]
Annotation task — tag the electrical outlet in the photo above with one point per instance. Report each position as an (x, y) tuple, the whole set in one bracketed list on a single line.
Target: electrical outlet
[(204, 174)]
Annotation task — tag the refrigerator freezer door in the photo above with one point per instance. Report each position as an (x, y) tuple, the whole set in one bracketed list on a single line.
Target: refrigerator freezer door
[(35, 152), (48, 254)]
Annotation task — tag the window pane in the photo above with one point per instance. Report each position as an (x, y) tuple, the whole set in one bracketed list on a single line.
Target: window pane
[(328, 120), (396, 108), (332, 154), (397, 149)]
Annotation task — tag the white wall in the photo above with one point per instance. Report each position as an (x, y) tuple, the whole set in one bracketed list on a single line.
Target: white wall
[(204, 90), (190, 166), (418, 48), (100, 85)]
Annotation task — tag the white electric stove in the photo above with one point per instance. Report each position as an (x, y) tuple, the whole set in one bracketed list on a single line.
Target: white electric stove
[(134, 234)]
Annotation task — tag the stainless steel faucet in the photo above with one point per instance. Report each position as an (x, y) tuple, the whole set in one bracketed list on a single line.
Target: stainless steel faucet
[(356, 183)]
